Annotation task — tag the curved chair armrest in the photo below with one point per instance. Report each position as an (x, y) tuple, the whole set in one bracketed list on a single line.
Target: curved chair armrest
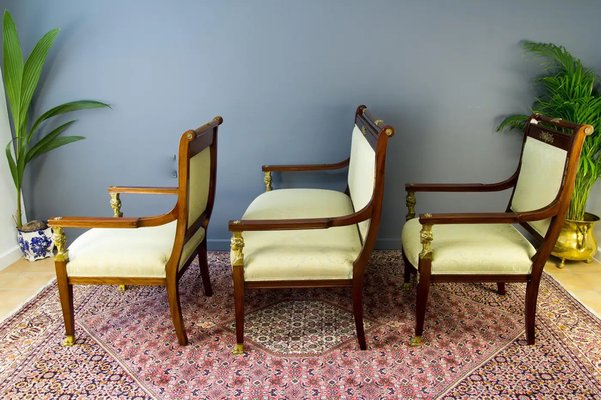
[(470, 218), (108, 222), (459, 187), (93, 222), (142, 189), (305, 167), (298, 223)]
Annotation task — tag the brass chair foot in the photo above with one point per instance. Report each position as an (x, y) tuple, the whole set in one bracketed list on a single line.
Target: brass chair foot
[(406, 286), (69, 341), (416, 341), (562, 263), (589, 261), (238, 349), (121, 288)]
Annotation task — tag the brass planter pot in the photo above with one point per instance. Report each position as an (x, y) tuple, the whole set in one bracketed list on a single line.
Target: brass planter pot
[(576, 240)]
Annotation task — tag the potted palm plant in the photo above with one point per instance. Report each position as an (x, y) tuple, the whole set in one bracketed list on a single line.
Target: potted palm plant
[(29, 141), (570, 91)]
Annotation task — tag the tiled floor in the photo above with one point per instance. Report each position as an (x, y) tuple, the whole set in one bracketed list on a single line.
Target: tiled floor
[(582, 280), (22, 280)]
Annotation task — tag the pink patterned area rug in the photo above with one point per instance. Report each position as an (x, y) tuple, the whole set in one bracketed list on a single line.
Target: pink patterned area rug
[(301, 343)]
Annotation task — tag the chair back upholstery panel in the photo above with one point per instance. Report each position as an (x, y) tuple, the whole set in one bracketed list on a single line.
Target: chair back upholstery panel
[(540, 178), (199, 184), (190, 245), (361, 175)]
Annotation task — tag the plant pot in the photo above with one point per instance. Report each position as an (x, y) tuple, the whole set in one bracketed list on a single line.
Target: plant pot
[(35, 245), (576, 240)]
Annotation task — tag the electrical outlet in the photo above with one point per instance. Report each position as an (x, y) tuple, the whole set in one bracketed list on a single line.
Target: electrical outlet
[(174, 169)]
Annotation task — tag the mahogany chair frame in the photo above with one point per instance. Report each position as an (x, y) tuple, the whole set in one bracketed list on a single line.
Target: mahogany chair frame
[(191, 143), (377, 134), (556, 132)]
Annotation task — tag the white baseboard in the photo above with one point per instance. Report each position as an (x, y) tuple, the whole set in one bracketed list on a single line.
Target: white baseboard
[(9, 257)]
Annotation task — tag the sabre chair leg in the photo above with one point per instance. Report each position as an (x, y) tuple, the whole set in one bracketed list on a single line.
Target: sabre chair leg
[(204, 268), (423, 289), (176, 312), (358, 314), (65, 293), (238, 278), (501, 288), (530, 309)]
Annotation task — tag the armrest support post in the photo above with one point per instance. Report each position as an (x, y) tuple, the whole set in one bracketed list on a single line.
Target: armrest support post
[(410, 202), (116, 204), (267, 180), (425, 238), (237, 246), (60, 240)]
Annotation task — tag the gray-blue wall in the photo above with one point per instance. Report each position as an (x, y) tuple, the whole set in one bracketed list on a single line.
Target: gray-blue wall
[(287, 76)]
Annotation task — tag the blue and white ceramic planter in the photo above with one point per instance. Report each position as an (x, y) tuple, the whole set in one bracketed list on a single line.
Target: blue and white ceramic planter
[(36, 245)]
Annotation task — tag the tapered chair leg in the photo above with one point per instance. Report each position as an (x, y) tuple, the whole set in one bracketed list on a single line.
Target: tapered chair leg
[(501, 288), (423, 289), (358, 314), (238, 278), (176, 312), (204, 268), (406, 272), (65, 293), (530, 309)]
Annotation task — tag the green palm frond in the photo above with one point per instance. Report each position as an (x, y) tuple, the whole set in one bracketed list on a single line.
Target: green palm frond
[(554, 57), (513, 122), (13, 65), (64, 109), (12, 165), (44, 145), (33, 69)]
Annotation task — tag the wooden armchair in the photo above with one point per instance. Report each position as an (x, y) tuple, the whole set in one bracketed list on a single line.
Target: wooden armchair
[(148, 250), (487, 247), (299, 238)]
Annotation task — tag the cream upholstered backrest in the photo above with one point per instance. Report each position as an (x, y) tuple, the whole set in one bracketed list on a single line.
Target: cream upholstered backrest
[(361, 175), (541, 174), (199, 183)]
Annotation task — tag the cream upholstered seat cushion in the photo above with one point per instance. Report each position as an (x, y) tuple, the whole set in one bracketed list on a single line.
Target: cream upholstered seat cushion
[(139, 252), (471, 248), (300, 254)]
